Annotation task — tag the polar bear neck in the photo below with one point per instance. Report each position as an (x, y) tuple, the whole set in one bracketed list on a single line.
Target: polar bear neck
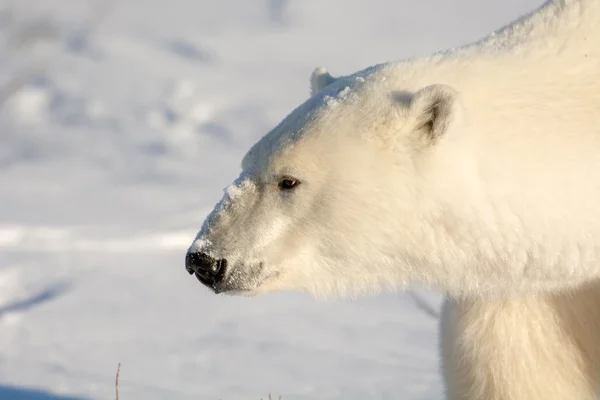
[(532, 98)]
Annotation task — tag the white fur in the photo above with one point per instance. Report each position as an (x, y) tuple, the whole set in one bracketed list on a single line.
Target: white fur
[(473, 171), (319, 79)]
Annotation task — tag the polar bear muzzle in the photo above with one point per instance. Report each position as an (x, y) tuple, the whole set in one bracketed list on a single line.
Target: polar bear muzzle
[(208, 270)]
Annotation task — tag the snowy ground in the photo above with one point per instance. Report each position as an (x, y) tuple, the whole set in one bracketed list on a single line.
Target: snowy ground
[(110, 159)]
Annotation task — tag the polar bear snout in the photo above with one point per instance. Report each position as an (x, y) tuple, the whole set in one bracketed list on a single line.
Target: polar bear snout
[(208, 270)]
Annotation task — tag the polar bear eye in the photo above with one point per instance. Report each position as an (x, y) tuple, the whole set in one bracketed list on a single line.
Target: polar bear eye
[(288, 183)]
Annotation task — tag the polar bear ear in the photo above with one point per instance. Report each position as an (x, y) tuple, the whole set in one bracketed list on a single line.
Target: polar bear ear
[(319, 79), (435, 110)]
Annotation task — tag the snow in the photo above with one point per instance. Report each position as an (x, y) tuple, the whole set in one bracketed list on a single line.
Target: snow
[(239, 187), (112, 156)]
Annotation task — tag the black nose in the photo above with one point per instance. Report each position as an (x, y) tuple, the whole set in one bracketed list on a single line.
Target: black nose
[(207, 269)]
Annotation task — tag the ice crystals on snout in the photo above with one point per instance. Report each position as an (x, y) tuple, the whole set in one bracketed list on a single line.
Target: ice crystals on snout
[(243, 184)]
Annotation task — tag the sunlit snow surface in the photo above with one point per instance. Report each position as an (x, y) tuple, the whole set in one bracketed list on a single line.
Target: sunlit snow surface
[(111, 158)]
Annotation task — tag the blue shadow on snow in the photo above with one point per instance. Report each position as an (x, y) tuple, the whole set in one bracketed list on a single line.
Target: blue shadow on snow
[(35, 300), (17, 393)]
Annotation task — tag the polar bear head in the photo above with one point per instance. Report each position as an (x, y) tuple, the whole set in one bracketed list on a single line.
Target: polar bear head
[(352, 192)]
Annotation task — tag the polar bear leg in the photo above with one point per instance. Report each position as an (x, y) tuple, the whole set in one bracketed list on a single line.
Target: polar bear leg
[(527, 348)]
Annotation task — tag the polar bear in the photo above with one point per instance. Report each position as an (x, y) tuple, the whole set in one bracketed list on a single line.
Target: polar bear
[(474, 171)]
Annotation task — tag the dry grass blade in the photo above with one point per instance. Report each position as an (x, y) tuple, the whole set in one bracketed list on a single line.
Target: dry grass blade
[(271, 398), (423, 305), (117, 381)]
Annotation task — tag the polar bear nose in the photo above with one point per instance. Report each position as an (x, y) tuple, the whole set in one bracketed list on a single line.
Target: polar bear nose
[(207, 269)]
